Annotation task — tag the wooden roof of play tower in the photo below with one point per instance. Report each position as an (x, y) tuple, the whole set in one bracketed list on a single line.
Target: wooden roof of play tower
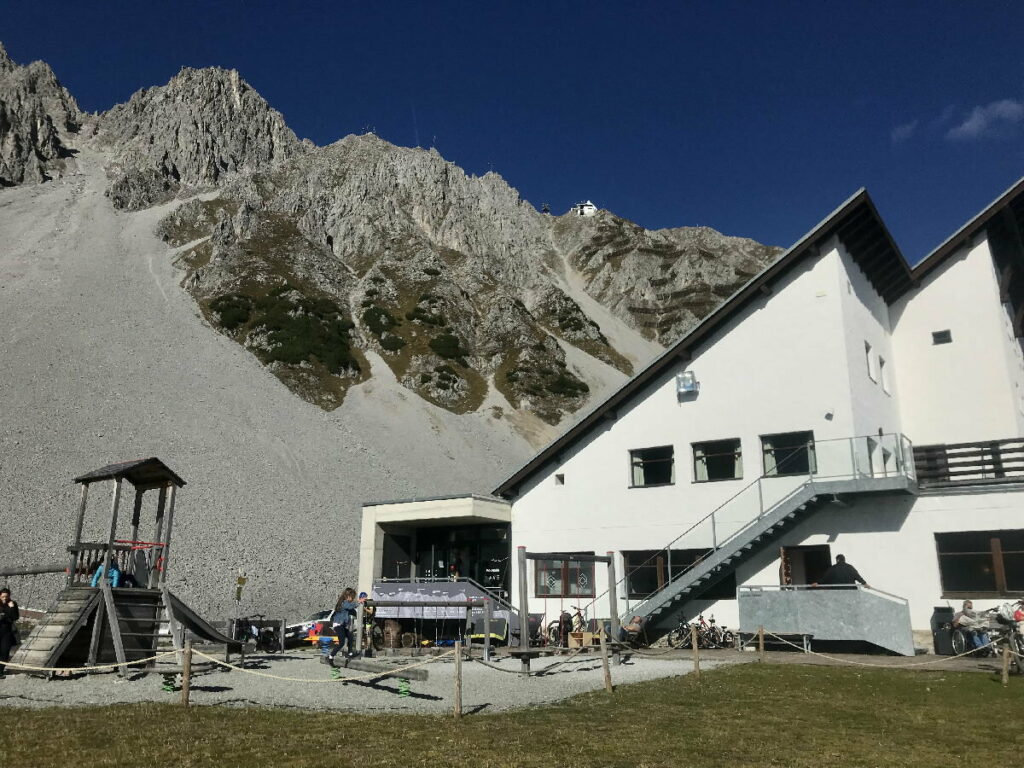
[(144, 474)]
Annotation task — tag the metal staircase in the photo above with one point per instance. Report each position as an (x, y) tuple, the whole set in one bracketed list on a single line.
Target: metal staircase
[(861, 472)]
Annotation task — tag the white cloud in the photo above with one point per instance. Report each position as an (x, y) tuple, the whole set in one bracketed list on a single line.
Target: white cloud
[(989, 119), (903, 132)]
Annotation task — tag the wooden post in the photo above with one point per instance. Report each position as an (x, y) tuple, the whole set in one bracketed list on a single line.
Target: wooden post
[(487, 629), (360, 627), (1006, 666), (136, 513), (760, 643), (167, 534), (284, 625), (613, 602), (186, 673), (156, 554), (115, 625), (604, 665), (77, 541), (97, 630), (458, 679), (696, 653), (113, 528), (524, 613)]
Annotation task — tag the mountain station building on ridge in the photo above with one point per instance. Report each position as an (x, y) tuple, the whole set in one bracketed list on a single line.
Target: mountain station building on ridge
[(841, 402)]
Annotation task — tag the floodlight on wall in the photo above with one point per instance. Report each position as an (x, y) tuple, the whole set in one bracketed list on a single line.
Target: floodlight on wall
[(686, 384)]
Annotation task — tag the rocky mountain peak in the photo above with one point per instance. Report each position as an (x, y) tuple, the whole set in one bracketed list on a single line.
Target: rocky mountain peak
[(201, 127), (37, 114)]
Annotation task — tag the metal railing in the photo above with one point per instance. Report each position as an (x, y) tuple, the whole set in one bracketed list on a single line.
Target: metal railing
[(978, 463), (849, 458), (754, 588)]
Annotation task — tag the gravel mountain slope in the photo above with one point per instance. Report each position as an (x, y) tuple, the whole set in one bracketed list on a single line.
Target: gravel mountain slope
[(105, 358), (190, 255)]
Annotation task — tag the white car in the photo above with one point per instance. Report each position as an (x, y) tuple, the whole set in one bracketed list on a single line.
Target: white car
[(296, 633)]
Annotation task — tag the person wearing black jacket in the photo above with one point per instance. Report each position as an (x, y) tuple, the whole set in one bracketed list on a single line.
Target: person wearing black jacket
[(8, 619), (842, 573)]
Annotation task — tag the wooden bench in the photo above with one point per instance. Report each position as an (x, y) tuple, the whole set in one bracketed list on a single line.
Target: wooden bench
[(776, 639)]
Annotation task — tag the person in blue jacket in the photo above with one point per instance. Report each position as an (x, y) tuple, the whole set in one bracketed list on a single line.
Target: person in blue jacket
[(342, 620)]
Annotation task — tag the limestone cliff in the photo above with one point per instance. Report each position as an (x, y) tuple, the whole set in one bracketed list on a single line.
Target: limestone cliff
[(36, 116), (204, 125)]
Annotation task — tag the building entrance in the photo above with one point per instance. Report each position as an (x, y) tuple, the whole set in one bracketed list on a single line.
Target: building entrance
[(478, 552), (804, 565)]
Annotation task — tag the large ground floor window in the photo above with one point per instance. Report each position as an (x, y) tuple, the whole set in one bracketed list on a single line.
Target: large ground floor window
[(981, 563), (649, 570), (564, 578)]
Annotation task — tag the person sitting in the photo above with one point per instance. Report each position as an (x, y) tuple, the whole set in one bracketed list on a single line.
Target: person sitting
[(113, 577), (972, 625)]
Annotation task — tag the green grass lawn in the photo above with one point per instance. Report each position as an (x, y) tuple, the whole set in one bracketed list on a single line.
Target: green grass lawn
[(746, 715)]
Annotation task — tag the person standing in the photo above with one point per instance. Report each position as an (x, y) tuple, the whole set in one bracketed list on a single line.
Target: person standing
[(842, 574), (8, 620), (341, 621)]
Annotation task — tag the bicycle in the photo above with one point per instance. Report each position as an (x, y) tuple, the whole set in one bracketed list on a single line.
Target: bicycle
[(251, 630), (709, 634), (557, 632)]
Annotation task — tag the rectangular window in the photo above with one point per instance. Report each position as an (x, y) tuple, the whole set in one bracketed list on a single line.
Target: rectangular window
[(942, 337), (649, 570), (717, 460), (652, 466), (872, 373), (564, 578), (788, 453), (883, 374), (981, 563)]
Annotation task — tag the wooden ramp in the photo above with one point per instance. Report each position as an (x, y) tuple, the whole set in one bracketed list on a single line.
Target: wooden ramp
[(58, 632), (77, 630)]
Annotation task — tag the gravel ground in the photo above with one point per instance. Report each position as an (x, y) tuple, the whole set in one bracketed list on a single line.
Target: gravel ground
[(484, 689), (105, 358)]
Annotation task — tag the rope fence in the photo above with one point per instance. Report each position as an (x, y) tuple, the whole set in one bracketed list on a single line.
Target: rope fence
[(94, 667), (938, 660), (393, 672)]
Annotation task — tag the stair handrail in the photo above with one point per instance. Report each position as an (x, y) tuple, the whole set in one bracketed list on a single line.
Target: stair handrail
[(799, 587), (903, 468)]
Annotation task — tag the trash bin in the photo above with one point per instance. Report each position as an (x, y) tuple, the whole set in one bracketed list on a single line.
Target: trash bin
[(942, 630)]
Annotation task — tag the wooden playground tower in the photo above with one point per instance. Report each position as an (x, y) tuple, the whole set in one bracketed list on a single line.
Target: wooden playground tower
[(116, 599)]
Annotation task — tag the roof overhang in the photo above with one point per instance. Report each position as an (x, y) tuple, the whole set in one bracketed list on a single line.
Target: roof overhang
[(144, 474), (864, 236), (449, 510)]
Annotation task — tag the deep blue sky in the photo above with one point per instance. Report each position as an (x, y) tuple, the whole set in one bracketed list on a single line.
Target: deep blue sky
[(753, 118)]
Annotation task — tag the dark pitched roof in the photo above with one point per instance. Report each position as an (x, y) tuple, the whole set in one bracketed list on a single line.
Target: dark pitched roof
[(859, 227), (142, 473), (1010, 205)]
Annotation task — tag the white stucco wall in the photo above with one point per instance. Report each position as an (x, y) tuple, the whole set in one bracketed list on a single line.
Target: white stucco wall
[(792, 361), (873, 400), (891, 541), (970, 389)]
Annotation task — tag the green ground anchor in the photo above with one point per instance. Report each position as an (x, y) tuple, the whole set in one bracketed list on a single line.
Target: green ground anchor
[(335, 673), (168, 685), (403, 686)]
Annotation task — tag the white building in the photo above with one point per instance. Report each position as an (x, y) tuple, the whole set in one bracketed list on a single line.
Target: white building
[(841, 402), (585, 208)]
